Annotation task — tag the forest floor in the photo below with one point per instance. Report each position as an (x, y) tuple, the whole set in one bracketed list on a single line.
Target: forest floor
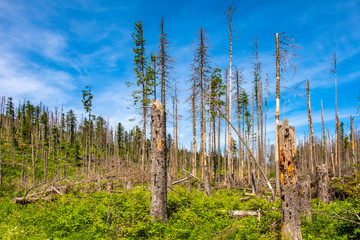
[(124, 214)]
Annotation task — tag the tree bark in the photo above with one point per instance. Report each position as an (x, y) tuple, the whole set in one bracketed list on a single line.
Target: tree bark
[(158, 181)]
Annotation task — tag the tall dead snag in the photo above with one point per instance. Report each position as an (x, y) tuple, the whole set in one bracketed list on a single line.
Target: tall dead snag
[(352, 139), (277, 114), (337, 137), (311, 135), (202, 59), (193, 107), (324, 154), (158, 179), (291, 217), (230, 157), (322, 180)]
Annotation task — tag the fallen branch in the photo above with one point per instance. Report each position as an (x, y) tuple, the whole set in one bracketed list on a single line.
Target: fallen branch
[(180, 181), (194, 177)]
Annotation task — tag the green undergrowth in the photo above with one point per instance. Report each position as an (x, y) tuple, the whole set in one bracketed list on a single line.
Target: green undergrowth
[(192, 215)]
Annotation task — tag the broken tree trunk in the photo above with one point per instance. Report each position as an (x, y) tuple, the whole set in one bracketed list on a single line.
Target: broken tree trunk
[(291, 217), (322, 183), (158, 163)]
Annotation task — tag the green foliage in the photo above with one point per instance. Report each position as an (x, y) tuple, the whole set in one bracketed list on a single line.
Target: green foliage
[(87, 99), (192, 215), (145, 73), (322, 226)]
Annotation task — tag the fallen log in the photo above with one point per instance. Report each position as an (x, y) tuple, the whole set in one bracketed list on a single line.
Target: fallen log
[(243, 213), (27, 200)]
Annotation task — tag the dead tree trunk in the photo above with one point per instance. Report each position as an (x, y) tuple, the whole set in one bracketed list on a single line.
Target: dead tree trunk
[(311, 135), (324, 154), (352, 139), (158, 163), (291, 217), (322, 183), (277, 113)]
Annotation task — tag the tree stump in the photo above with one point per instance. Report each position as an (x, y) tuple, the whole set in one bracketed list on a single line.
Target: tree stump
[(322, 180), (158, 180), (290, 207)]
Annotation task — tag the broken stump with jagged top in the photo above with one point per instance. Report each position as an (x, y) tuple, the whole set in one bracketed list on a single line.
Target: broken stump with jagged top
[(290, 205)]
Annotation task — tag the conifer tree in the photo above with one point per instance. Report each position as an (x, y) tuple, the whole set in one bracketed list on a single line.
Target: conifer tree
[(144, 81)]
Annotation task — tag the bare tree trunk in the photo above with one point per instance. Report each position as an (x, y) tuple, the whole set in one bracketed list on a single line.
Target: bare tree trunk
[(257, 100), (33, 159), (218, 142), (325, 159), (226, 128), (352, 139), (277, 165), (207, 160), (252, 129), (338, 144), (2, 110), (322, 183), (331, 154), (230, 160), (241, 170), (144, 138), (263, 158), (193, 165), (158, 200), (337, 149), (311, 136), (1, 176), (265, 112), (291, 217)]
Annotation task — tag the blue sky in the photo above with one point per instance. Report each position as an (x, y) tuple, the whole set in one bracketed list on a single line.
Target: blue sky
[(49, 50)]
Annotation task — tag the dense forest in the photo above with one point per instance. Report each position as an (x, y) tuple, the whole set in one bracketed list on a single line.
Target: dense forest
[(63, 175)]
